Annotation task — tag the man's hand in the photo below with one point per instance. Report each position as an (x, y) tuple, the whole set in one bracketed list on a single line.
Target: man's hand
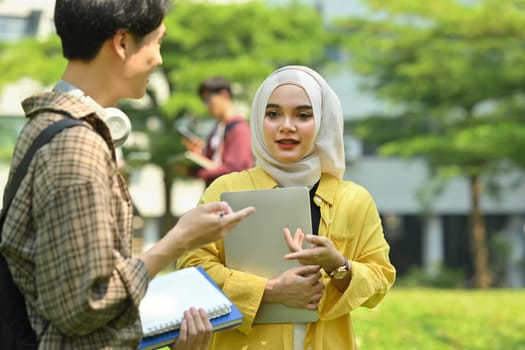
[(203, 224), (207, 223), (193, 144), (195, 331)]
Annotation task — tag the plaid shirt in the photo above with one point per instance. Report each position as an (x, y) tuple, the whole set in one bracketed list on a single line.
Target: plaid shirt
[(67, 236)]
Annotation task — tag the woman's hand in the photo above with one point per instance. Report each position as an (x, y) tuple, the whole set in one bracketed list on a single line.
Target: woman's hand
[(298, 287), (195, 331), (322, 252)]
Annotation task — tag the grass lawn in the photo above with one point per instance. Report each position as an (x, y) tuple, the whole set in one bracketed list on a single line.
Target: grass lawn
[(443, 319)]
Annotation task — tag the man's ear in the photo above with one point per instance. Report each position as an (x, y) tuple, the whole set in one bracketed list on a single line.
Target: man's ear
[(122, 43)]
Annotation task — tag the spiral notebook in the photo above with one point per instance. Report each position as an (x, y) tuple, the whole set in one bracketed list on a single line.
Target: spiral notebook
[(168, 296)]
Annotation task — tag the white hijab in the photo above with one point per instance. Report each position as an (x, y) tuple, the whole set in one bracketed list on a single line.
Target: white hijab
[(327, 154)]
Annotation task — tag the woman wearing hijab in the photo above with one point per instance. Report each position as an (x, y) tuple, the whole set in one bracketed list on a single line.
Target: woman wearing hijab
[(297, 140)]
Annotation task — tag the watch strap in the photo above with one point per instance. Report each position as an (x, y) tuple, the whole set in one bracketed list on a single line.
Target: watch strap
[(345, 268)]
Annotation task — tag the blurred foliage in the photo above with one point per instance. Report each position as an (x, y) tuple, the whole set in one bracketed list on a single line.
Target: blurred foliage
[(501, 250), (29, 58), (452, 74), (443, 319), (243, 42), (442, 278), (9, 129)]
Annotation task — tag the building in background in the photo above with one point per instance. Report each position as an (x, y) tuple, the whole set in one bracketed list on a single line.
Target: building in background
[(28, 18), (440, 237)]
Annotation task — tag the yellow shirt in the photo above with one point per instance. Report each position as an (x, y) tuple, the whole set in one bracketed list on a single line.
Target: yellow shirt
[(350, 219)]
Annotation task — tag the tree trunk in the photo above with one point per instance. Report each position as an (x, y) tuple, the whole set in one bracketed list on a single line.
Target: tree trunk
[(168, 220), (479, 250)]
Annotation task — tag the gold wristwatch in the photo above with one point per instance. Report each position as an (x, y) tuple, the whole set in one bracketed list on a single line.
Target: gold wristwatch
[(341, 271)]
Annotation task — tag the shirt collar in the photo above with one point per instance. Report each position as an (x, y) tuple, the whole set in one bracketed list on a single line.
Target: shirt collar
[(261, 179), (59, 102), (326, 191), (327, 188)]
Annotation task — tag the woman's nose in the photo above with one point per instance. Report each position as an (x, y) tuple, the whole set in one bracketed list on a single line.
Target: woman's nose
[(287, 126)]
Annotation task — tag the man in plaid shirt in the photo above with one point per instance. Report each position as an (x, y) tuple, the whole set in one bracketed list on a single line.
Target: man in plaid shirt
[(67, 236)]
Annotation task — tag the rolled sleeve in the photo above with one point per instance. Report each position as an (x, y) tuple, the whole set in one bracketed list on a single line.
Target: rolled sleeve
[(367, 250)]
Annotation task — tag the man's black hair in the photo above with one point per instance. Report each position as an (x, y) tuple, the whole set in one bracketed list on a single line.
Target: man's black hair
[(84, 25), (215, 85)]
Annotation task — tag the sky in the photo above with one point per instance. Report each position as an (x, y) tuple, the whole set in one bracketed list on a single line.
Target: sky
[(26, 3)]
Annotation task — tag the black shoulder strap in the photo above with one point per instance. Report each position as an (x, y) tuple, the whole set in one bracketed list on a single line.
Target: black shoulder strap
[(20, 172), (231, 125)]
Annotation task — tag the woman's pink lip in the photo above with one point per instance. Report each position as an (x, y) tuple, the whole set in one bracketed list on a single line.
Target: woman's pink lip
[(290, 143), (287, 140)]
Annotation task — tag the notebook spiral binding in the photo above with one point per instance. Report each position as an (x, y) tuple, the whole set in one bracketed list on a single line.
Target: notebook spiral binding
[(218, 311)]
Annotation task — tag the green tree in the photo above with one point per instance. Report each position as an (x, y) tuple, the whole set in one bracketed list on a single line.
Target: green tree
[(27, 58), (452, 72), (30, 58)]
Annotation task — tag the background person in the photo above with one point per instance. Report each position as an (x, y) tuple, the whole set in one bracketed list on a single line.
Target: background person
[(297, 139), (228, 144), (67, 236)]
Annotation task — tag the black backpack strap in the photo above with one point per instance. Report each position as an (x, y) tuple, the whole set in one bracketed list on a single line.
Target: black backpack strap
[(231, 125), (20, 172)]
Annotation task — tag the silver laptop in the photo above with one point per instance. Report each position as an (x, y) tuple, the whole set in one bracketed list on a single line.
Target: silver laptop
[(256, 245)]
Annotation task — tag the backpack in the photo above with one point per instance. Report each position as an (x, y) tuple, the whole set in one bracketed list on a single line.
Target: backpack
[(15, 328)]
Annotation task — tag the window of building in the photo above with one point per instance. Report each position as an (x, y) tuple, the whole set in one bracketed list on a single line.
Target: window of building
[(13, 28)]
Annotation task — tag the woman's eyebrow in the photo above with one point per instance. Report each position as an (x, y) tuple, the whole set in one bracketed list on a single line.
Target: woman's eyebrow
[(304, 107), (274, 105)]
